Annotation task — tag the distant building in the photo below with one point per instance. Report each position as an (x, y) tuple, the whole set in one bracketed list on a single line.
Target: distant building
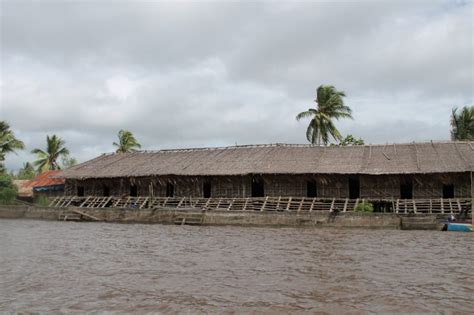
[(45, 184), (24, 191), (375, 172)]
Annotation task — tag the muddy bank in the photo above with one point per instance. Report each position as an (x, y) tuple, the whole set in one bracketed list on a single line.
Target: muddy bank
[(247, 218), (222, 217)]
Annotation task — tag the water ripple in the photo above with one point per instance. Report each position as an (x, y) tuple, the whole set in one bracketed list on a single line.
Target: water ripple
[(67, 267)]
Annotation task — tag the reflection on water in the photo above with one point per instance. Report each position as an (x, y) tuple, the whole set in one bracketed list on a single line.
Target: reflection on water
[(78, 267)]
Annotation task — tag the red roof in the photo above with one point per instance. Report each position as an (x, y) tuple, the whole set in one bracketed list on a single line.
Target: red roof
[(44, 179)]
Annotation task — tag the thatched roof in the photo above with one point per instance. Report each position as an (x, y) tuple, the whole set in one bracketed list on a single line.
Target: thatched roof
[(23, 189), (431, 157)]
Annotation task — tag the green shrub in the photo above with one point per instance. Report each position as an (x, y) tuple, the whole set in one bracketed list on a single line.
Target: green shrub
[(364, 207), (42, 201), (8, 191)]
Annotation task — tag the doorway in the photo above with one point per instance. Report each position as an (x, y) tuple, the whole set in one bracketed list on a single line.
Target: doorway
[(448, 191), (311, 189), (206, 189), (354, 187), (169, 190), (406, 188), (105, 191), (258, 186), (133, 191)]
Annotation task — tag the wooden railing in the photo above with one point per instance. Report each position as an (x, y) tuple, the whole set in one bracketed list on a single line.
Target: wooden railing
[(288, 204)]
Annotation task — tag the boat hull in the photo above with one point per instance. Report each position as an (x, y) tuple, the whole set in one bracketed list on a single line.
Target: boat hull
[(459, 227)]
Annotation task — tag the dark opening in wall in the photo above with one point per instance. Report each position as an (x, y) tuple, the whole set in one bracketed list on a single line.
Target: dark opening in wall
[(133, 191), (258, 186), (169, 190), (311, 189), (448, 191), (354, 187), (206, 189), (105, 191), (406, 188), (80, 191)]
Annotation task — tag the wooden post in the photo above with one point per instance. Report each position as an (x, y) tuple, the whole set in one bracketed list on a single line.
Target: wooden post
[(472, 199)]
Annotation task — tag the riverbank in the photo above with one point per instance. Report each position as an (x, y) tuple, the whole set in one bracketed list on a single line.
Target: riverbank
[(222, 217)]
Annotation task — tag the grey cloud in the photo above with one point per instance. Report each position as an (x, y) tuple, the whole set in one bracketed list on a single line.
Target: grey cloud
[(204, 74)]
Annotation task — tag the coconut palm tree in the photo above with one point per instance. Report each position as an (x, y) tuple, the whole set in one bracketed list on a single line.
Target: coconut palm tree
[(8, 142), (127, 142), (330, 106), (26, 172), (462, 123), (48, 160)]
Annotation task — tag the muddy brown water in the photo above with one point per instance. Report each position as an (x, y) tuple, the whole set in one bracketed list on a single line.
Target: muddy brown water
[(63, 267)]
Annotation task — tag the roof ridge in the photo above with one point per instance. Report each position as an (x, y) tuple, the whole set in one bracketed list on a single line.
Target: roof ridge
[(289, 145)]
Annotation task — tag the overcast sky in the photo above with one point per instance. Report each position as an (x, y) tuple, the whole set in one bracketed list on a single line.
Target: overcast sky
[(194, 74)]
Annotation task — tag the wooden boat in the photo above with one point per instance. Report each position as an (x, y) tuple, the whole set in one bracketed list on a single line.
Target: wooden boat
[(458, 227)]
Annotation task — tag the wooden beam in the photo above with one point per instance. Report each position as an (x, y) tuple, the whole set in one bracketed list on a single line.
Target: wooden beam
[(288, 205), (472, 198), (86, 215), (264, 204), (345, 205)]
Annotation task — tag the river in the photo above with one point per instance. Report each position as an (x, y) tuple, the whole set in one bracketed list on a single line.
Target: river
[(66, 267)]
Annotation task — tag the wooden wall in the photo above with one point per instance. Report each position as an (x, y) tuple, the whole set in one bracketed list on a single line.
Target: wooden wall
[(330, 186)]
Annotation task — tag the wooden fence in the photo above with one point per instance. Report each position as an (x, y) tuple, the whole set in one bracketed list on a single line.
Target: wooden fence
[(291, 204)]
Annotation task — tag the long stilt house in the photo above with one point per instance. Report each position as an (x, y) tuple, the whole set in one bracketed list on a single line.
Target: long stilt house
[(382, 174)]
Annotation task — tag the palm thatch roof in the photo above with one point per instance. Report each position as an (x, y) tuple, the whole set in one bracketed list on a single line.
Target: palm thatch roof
[(412, 158)]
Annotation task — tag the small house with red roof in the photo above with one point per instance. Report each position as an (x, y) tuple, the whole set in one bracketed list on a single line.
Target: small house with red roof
[(45, 184)]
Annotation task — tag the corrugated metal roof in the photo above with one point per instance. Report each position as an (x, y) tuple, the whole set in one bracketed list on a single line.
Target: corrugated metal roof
[(48, 178), (411, 158)]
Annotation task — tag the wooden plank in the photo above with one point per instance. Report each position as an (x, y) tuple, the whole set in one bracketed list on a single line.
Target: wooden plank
[(472, 195), (180, 202), (86, 215), (278, 203), (264, 204), (312, 204), (245, 205), (51, 204), (288, 205), (300, 205), (144, 202), (345, 205), (231, 203)]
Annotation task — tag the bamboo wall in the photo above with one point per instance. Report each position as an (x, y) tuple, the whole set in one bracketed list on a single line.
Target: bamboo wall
[(330, 186)]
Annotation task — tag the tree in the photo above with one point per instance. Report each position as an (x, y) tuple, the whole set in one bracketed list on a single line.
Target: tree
[(8, 191), (127, 142), (330, 106), (48, 160), (26, 172), (8, 142), (462, 123), (351, 140), (68, 161)]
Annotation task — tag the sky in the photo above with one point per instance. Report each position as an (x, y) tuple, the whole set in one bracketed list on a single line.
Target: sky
[(198, 74)]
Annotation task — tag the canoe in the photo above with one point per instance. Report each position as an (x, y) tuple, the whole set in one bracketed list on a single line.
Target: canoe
[(459, 227)]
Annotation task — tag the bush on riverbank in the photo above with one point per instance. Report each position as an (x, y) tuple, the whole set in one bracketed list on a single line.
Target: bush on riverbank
[(8, 191), (42, 201), (364, 207)]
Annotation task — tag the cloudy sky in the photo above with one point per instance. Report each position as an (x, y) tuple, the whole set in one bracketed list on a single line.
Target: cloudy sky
[(194, 74)]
